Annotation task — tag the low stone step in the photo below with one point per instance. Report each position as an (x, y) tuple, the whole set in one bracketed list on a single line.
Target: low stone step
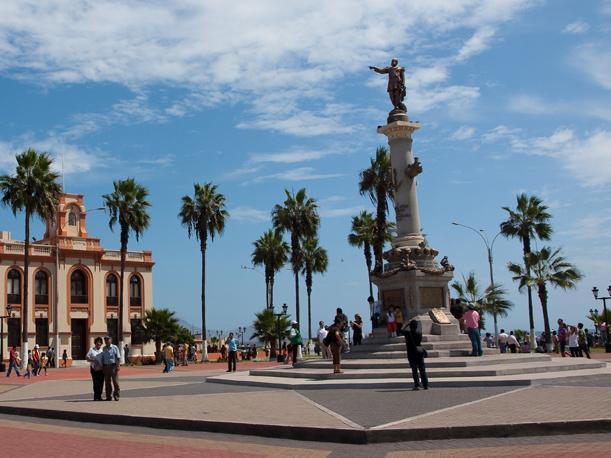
[(400, 346), (433, 372), (457, 361)]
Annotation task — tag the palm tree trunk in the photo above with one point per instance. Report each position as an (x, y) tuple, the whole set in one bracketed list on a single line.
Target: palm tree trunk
[(271, 292), (296, 272), (309, 291), (204, 333), (367, 250), (531, 317), (496, 329), (124, 241), (543, 298), (25, 312), (379, 237)]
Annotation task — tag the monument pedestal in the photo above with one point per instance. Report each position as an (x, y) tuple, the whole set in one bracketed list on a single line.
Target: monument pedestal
[(412, 278)]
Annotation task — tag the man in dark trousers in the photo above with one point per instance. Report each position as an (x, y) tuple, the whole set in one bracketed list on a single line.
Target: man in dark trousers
[(415, 354)]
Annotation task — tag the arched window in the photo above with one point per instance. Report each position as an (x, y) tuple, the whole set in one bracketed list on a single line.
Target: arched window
[(41, 288), (71, 219), (78, 287), (112, 295), (14, 287), (135, 291)]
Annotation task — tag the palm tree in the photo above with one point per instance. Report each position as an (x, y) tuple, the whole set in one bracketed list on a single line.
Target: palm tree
[(469, 291), (496, 304), (272, 253), (159, 325), (33, 189), (364, 229), (542, 268), (530, 220), (204, 215), (315, 261), (376, 181), (128, 206), (266, 326), (298, 216)]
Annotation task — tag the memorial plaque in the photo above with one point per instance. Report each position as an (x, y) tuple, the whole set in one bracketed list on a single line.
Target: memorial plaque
[(439, 316)]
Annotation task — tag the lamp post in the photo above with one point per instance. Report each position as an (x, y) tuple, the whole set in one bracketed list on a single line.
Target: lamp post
[(7, 316), (267, 288), (604, 319), (489, 246), (279, 356), (241, 331)]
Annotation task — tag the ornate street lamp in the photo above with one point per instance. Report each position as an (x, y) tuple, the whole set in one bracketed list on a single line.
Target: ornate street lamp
[(279, 356), (7, 316), (604, 318)]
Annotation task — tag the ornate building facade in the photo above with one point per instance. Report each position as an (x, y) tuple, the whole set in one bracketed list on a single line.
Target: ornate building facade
[(73, 291)]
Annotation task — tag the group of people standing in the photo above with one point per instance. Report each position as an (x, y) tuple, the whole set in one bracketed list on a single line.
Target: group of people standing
[(37, 362), (105, 363)]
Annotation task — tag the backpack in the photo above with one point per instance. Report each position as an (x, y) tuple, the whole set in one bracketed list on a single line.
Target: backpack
[(296, 339)]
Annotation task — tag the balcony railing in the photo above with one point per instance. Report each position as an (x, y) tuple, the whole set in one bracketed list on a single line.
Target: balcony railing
[(112, 301), (41, 299), (78, 299), (135, 301), (13, 299)]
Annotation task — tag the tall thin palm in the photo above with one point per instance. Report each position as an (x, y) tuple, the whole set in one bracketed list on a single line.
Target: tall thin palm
[(496, 304), (35, 190), (128, 207), (530, 220), (299, 217), (542, 268), (271, 252), (376, 181), (315, 261), (204, 215)]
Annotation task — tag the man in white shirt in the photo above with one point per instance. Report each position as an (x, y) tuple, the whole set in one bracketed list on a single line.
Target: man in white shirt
[(503, 341), (512, 343), (322, 333)]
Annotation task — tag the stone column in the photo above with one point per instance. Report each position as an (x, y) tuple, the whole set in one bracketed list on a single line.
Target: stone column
[(405, 170)]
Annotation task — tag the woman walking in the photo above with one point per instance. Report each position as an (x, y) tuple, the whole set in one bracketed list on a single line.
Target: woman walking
[(95, 367)]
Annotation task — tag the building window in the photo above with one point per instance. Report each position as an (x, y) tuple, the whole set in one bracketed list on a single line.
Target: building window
[(137, 331), (71, 219), (42, 332), (14, 287), (112, 327), (41, 288), (112, 295), (135, 291), (14, 332), (78, 287)]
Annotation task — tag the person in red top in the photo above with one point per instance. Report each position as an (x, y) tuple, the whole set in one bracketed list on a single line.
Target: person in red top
[(12, 362), (36, 360), (471, 318)]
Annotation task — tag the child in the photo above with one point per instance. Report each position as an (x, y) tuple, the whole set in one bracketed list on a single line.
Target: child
[(65, 358), (574, 342), (44, 362), (29, 366), (391, 325)]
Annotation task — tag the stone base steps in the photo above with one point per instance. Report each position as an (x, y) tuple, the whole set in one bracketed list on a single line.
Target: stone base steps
[(458, 362), (496, 370), (339, 381), (401, 354), (400, 346)]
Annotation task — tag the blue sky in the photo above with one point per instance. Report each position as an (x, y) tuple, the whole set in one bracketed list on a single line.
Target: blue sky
[(514, 96)]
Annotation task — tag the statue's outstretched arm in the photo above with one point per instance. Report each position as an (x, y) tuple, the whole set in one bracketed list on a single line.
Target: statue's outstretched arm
[(378, 69)]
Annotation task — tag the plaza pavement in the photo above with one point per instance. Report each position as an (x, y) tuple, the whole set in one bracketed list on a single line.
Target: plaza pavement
[(183, 400)]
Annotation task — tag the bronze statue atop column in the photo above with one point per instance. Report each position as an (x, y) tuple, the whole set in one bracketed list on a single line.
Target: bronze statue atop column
[(395, 89)]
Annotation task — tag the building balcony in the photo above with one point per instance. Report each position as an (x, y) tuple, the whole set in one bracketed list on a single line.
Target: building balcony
[(79, 299), (13, 299), (135, 302), (112, 301), (41, 299)]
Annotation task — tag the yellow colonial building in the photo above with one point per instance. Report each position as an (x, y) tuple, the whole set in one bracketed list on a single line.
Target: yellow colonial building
[(73, 288)]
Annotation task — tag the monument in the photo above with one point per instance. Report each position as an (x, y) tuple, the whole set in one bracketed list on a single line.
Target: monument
[(412, 278)]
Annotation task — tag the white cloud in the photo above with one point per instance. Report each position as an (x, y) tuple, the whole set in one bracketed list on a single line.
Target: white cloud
[(249, 214), (595, 61), (291, 51), (326, 212), (463, 133), (478, 43), (530, 104), (577, 27), (587, 158), (592, 227), (289, 157), (298, 174)]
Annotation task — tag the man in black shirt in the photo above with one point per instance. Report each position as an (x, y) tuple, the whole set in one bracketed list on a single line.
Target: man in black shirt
[(341, 316), (415, 354)]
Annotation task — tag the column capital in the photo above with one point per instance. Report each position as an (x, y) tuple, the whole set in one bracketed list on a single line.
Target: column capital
[(399, 129)]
